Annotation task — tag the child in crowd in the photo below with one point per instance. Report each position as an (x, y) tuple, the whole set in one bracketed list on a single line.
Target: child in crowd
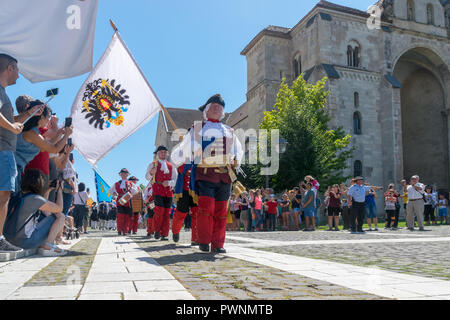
[(272, 206), (443, 212)]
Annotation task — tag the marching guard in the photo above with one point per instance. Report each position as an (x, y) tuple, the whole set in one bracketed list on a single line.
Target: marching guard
[(137, 204), (215, 152), (163, 176), (123, 190), (184, 202), (150, 205)]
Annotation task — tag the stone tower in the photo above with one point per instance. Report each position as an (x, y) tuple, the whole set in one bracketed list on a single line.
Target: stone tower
[(389, 87)]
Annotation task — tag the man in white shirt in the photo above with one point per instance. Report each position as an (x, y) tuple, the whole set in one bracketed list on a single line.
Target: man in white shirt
[(163, 177), (124, 211), (415, 202)]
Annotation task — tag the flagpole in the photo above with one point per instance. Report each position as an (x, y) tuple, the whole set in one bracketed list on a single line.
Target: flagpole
[(113, 25)]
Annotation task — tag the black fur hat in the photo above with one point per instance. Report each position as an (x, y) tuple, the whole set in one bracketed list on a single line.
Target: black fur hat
[(217, 98), (160, 148)]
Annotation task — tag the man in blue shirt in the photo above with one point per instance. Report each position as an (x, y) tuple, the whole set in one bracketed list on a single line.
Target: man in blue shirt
[(356, 197)]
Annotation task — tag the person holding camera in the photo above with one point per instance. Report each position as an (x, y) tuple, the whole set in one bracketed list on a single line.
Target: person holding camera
[(393, 214), (334, 206), (415, 192), (30, 142), (39, 219)]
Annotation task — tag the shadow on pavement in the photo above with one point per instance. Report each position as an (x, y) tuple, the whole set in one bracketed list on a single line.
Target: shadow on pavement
[(71, 253)]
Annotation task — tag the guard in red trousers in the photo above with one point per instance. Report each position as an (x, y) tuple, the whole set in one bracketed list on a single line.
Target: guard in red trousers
[(124, 211), (137, 205), (163, 177), (215, 152), (150, 205), (184, 203)]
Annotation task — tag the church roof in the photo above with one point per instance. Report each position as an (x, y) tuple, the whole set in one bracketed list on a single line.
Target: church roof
[(274, 31), (337, 7), (183, 118), (282, 32)]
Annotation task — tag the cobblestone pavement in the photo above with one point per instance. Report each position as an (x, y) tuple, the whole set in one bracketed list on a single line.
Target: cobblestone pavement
[(209, 277), (232, 277)]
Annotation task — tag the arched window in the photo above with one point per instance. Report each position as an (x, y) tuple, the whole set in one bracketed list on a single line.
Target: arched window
[(356, 57), (411, 11), (430, 14), (356, 99), (354, 54), (349, 56), (357, 123), (297, 65), (357, 168)]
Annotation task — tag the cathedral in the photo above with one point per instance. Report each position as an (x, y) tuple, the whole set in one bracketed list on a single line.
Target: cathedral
[(389, 83)]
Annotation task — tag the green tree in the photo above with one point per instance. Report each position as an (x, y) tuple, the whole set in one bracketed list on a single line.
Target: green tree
[(301, 116)]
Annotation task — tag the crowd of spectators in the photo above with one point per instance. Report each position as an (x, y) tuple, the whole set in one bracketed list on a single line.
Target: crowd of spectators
[(37, 179), (347, 207)]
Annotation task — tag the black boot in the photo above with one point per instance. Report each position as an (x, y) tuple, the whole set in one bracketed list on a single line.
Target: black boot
[(219, 250), (164, 238), (149, 235), (176, 237), (193, 244), (157, 235), (204, 247)]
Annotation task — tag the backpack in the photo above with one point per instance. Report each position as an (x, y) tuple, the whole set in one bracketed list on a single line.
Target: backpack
[(10, 228)]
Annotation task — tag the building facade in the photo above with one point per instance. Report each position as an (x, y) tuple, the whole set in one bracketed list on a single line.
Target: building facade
[(389, 87)]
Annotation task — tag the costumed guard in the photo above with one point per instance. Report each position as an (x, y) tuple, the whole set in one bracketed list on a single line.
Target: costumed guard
[(216, 152), (150, 205), (184, 202), (123, 190), (137, 204), (163, 176)]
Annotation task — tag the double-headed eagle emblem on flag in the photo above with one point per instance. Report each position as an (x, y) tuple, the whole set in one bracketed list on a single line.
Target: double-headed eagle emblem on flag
[(105, 103)]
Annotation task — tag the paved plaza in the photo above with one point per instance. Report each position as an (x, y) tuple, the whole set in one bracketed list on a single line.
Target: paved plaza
[(321, 265)]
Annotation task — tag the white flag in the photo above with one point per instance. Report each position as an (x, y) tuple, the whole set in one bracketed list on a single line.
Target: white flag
[(114, 102), (51, 39)]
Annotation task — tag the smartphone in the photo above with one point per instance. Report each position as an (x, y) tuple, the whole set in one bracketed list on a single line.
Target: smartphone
[(69, 141), (68, 122), (52, 92), (53, 184)]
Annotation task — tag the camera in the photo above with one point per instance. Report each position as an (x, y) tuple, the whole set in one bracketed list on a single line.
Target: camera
[(69, 142), (68, 122), (53, 183)]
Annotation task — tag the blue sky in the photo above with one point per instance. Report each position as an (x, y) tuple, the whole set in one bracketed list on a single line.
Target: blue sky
[(188, 51)]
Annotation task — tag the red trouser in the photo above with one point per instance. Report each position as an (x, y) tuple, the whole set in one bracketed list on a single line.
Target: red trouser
[(194, 232), (150, 226), (134, 222), (123, 222), (211, 221), (178, 219), (161, 220)]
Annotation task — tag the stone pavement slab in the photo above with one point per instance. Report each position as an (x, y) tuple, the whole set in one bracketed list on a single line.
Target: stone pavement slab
[(46, 292), (123, 269), (370, 280), (14, 274), (101, 296)]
